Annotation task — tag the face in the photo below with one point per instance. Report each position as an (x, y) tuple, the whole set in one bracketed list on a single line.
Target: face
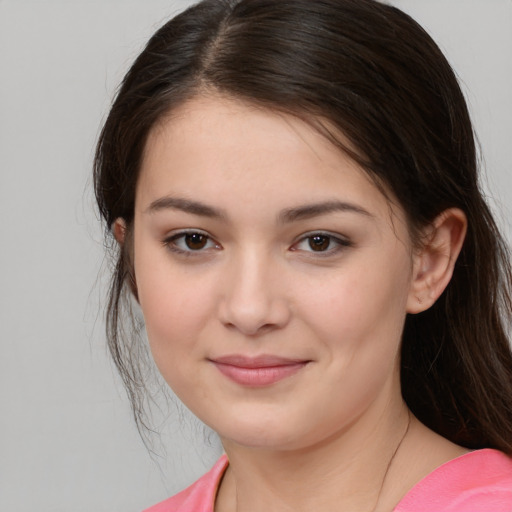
[(274, 277)]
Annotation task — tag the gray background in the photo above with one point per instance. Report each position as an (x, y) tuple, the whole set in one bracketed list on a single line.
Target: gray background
[(67, 440)]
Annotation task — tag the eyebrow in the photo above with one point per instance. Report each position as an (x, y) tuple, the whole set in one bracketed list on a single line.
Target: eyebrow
[(286, 216), (185, 205), (317, 209)]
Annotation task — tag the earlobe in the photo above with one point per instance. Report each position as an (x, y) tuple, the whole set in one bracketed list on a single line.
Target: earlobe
[(434, 262), (119, 230)]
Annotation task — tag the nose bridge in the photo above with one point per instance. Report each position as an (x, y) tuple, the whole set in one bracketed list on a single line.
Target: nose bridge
[(253, 300)]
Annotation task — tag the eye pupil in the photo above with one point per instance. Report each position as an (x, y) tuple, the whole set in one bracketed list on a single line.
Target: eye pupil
[(195, 241), (319, 242)]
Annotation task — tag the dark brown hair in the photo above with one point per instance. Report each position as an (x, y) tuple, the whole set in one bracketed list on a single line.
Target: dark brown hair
[(376, 76)]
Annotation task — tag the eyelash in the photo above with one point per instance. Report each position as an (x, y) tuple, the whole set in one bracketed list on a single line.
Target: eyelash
[(339, 243), (171, 242)]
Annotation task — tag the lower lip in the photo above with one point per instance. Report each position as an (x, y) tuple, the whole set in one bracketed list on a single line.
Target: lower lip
[(259, 377)]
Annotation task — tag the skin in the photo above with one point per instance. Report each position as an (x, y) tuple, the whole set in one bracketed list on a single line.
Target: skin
[(225, 263)]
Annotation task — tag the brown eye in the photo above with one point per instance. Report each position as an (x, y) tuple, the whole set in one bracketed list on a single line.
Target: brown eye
[(196, 241), (319, 242), (322, 244), (188, 243)]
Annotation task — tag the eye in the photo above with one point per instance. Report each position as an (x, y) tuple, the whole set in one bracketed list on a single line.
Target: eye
[(319, 242), (190, 242), (325, 243)]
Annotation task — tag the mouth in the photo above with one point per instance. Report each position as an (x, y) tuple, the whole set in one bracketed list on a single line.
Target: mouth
[(257, 371)]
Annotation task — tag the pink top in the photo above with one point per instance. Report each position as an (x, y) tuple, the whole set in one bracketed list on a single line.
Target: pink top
[(479, 481)]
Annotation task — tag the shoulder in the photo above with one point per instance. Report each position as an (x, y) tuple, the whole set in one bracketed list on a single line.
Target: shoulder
[(199, 497), (479, 481)]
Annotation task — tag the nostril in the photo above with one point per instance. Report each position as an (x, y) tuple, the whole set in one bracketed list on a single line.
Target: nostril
[(256, 331)]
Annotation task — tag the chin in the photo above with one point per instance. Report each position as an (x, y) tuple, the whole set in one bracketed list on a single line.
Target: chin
[(271, 436), (251, 433)]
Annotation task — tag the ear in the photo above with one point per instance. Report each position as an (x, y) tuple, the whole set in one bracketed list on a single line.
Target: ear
[(119, 230), (434, 261)]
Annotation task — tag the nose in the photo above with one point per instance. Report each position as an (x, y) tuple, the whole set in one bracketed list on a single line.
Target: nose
[(253, 299)]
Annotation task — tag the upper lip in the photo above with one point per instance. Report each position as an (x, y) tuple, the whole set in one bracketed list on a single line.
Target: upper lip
[(263, 361)]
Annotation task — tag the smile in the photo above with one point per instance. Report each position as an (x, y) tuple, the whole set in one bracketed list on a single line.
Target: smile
[(257, 371)]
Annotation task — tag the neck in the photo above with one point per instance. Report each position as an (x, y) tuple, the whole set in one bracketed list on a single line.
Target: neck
[(346, 472)]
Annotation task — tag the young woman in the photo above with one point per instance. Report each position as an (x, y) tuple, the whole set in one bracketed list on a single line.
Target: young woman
[(293, 188)]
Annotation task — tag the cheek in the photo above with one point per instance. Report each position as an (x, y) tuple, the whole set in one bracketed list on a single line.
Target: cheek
[(362, 309), (359, 320), (176, 307)]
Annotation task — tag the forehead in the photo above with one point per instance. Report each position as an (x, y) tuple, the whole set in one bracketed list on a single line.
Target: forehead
[(223, 149)]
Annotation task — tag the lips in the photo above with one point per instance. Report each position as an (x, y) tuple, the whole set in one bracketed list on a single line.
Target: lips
[(258, 371)]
